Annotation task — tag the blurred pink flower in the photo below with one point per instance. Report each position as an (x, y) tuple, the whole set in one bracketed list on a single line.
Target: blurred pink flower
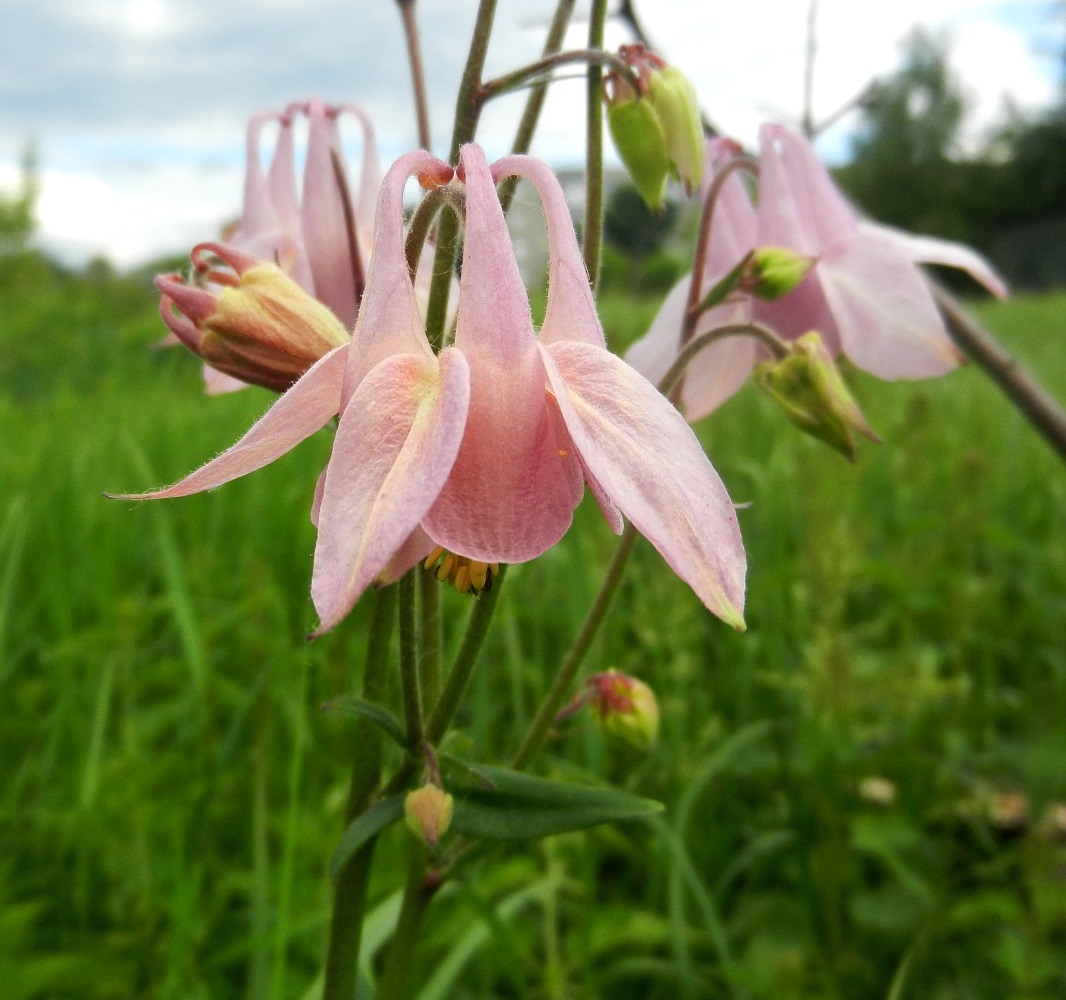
[(484, 450), (865, 294)]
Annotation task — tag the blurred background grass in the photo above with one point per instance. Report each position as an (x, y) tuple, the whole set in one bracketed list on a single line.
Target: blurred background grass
[(865, 792)]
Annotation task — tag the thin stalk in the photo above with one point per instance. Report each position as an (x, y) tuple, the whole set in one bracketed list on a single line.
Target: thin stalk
[(777, 347), (429, 627), (531, 114), (417, 893), (593, 233), (418, 79), (409, 683), (422, 221), (349, 894), (564, 679), (594, 56), (458, 678), (354, 256), (1034, 402), (467, 113)]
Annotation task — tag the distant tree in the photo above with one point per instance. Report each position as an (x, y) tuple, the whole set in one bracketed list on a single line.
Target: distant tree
[(905, 165), (632, 227), (18, 210)]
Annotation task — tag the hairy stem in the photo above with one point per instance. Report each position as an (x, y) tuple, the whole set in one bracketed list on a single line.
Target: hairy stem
[(417, 893), (593, 233), (349, 892), (409, 684), (418, 80)]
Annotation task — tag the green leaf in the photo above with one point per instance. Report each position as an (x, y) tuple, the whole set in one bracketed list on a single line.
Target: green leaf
[(725, 287), (468, 773), (521, 807), (363, 829), (381, 717)]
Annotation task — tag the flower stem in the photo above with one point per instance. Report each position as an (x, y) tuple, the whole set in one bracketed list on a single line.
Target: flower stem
[(593, 55), (349, 893), (593, 234), (467, 112), (777, 347), (409, 684), (417, 893), (418, 79), (429, 636), (531, 114), (564, 679)]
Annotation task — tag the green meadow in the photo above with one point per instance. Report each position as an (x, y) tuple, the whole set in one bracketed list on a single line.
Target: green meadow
[(865, 793)]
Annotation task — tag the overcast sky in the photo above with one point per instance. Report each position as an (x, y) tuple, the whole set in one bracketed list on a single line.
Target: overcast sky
[(138, 106)]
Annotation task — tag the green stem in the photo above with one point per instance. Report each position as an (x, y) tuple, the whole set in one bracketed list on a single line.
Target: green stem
[(593, 234), (429, 636), (564, 679), (467, 112), (778, 348), (531, 114), (458, 678), (411, 689), (349, 893), (418, 79), (593, 55), (417, 893)]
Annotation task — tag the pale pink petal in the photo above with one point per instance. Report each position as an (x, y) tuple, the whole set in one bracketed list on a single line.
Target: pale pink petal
[(803, 309), (508, 498), (300, 411), (653, 467), (395, 445), (732, 230), (217, 384), (389, 320), (930, 250), (370, 172), (415, 550), (889, 324), (799, 205), (258, 214), (325, 233), (570, 313), (281, 178), (716, 373)]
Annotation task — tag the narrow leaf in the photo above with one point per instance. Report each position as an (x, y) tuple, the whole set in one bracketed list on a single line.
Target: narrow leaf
[(521, 807), (363, 829), (721, 291), (381, 717)]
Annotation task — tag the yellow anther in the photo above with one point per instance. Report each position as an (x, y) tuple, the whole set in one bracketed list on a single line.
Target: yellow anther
[(462, 579), (432, 558), (466, 575), (447, 568), (479, 573), (563, 453)]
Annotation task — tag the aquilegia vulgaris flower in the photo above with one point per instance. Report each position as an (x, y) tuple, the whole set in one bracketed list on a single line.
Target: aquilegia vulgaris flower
[(864, 294), (484, 449)]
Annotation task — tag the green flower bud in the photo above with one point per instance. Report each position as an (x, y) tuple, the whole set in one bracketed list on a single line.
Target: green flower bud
[(428, 811), (775, 271), (625, 709), (808, 386), (641, 143), (674, 99)]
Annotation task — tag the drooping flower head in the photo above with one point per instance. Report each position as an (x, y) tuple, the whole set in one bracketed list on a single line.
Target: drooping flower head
[(320, 237), (484, 449), (864, 294)]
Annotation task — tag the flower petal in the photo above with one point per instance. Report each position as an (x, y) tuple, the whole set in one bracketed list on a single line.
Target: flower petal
[(930, 250), (799, 205), (652, 466), (508, 497), (300, 411), (389, 321), (397, 440), (888, 322), (570, 313)]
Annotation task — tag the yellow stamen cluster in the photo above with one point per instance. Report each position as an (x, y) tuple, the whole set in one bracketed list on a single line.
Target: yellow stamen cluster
[(466, 575)]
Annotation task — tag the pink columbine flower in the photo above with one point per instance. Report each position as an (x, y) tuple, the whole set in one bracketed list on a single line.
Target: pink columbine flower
[(485, 448), (864, 294)]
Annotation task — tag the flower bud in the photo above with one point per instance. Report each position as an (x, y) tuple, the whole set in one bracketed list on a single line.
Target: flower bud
[(625, 709), (775, 271), (808, 386), (255, 324), (674, 98), (657, 128), (428, 811)]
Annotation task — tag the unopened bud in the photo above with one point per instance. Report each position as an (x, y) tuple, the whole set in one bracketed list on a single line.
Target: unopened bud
[(808, 386), (674, 98), (656, 128), (625, 709), (775, 271), (256, 324), (428, 811)]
